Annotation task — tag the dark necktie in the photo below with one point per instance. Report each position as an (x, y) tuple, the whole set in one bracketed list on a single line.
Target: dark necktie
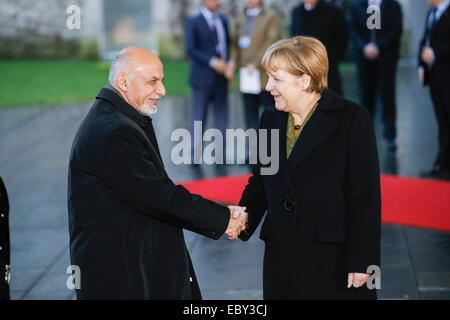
[(430, 24)]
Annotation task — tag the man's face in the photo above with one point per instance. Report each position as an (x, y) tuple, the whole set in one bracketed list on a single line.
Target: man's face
[(434, 2), (212, 5), (253, 3), (311, 2), (145, 86)]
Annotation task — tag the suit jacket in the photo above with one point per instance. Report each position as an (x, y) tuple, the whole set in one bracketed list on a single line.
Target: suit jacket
[(323, 206), (200, 47), (387, 38), (126, 215), (266, 30), (4, 243), (440, 42)]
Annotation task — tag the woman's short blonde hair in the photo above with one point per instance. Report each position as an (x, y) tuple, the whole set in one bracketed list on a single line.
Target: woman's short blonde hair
[(299, 56)]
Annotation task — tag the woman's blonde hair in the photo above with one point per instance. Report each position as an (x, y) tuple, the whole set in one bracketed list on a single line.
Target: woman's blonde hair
[(299, 56)]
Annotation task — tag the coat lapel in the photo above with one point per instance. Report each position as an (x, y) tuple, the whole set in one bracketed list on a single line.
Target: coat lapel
[(283, 170), (317, 129), (205, 26)]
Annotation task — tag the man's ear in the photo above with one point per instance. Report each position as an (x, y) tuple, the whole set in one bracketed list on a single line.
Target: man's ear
[(122, 81)]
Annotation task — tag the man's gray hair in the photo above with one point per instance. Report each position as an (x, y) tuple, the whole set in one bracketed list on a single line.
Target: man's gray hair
[(120, 64)]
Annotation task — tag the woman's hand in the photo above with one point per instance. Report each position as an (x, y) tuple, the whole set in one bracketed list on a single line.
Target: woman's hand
[(357, 279)]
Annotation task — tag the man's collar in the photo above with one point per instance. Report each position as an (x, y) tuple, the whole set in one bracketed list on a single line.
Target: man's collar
[(441, 7), (208, 14), (113, 96), (253, 12)]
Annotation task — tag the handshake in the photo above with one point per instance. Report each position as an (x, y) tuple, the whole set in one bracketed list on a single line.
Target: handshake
[(238, 220)]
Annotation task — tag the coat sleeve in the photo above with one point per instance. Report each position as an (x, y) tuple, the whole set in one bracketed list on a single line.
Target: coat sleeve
[(254, 199), (422, 63), (355, 30), (363, 196), (191, 48), (129, 169), (394, 30)]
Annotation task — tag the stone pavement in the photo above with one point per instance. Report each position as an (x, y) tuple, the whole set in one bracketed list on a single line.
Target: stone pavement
[(35, 143)]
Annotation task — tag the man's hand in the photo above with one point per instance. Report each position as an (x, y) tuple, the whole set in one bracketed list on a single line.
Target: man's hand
[(250, 67), (238, 219), (219, 65), (428, 55), (229, 71), (357, 279), (421, 75), (371, 51)]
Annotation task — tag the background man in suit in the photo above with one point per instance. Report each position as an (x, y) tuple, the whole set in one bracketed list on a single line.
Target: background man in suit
[(206, 43), (255, 30), (377, 52), (326, 22), (125, 214), (434, 69)]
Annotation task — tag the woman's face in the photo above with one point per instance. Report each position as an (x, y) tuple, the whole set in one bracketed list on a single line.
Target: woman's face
[(287, 89)]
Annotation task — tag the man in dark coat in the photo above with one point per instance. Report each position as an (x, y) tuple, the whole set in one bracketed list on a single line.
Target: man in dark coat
[(125, 214), (325, 22), (434, 70), (377, 53), (4, 243)]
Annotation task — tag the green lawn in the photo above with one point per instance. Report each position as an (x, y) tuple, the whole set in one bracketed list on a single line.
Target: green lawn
[(31, 82), (45, 82)]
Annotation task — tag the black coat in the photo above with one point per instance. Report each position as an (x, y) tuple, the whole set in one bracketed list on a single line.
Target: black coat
[(4, 243), (126, 215), (440, 42), (327, 23), (387, 37), (323, 206)]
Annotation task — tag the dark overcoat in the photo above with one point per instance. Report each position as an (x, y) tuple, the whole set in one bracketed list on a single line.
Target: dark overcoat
[(4, 243), (323, 206), (126, 215)]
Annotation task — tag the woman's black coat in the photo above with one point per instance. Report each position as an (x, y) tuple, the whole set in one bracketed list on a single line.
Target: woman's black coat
[(323, 206)]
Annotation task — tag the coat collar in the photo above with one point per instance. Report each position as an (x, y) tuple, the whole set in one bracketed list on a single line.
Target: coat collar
[(123, 106), (316, 130)]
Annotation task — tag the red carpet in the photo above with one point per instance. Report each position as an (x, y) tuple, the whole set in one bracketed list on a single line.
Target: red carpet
[(406, 201)]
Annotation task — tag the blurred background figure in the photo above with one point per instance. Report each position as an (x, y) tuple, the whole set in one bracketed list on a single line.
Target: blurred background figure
[(325, 21), (4, 243), (206, 42), (256, 28), (377, 53), (434, 70)]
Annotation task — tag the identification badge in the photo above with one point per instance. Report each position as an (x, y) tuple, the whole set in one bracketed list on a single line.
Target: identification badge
[(244, 42)]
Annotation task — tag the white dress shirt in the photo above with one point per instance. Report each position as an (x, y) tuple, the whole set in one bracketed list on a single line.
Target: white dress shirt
[(213, 20)]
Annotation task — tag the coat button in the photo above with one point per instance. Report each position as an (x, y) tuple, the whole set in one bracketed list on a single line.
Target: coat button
[(289, 204)]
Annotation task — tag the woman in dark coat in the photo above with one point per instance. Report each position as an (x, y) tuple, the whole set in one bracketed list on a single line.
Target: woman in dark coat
[(322, 227)]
